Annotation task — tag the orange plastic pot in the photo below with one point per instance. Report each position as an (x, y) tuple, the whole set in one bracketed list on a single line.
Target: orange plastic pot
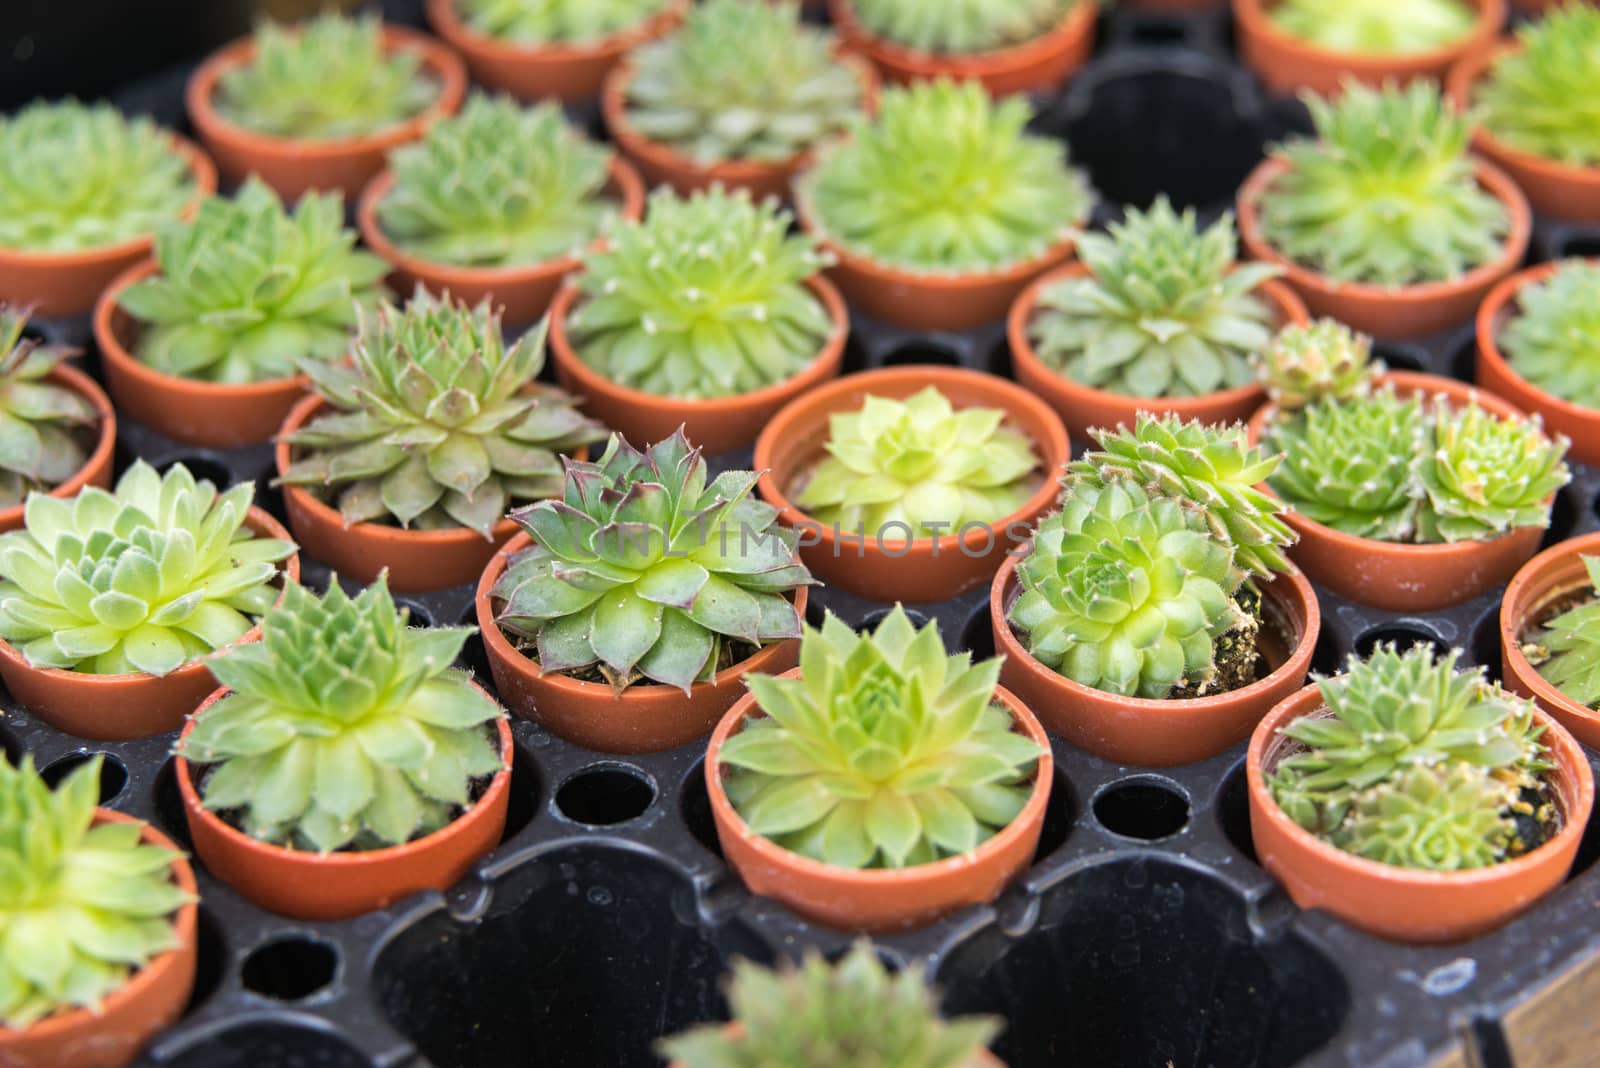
[(1403, 577), (1039, 65), (336, 886), (571, 73), (67, 283), (293, 165), (147, 1004), (921, 569), (114, 708), (1394, 312), (96, 470), (644, 718), (1535, 591), (1564, 190), (878, 899), (1084, 407), (719, 424), (1405, 904), (189, 410), (523, 291), (981, 1059), (1287, 63)]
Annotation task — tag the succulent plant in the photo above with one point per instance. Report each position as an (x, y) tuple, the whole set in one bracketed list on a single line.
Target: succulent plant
[(921, 464), (1487, 475), (437, 423), (43, 426), (704, 298), (344, 727), (1387, 193), (557, 21), (83, 906), (884, 753), (1553, 340), (946, 180), (644, 571), (1307, 363), (961, 26), (246, 289), (1160, 313), (1567, 649), (1440, 818), (83, 176), (1365, 27), (1540, 98), (142, 579), (329, 77), (818, 1015), (497, 186), (742, 81)]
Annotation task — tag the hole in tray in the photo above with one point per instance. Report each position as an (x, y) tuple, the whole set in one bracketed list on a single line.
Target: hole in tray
[(1233, 811), (1147, 808), (1331, 652), (999, 361), (204, 467), (1400, 357), (1464, 364), (1159, 32), (855, 356), (1564, 511), (420, 616), (211, 960), (1060, 814), (977, 633), (113, 773), (525, 791), (290, 969), (1578, 245), (1485, 645), (1403, 636), (169, 806), (696, 806), (921, 352), (871, 620), (9, 746), (604, 795), (270, 1044)]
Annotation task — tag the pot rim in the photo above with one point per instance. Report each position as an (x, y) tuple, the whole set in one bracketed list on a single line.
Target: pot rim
[(1459, 82), (100, 457), (1253, 20), (1496, 310), (1077, 20), (1518, 606), (449, 25)]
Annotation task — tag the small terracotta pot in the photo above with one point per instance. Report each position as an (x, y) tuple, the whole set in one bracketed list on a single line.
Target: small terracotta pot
[(336, 886), (115, 708), (67, 283), (96, 470), (1404, 904), (663, 164), (644, 718), (923, 569), (1084, 407), (293, 165), (1399, 577), (981, 1059), (571, 73), (720, 424), (190, 410), (523, 291), (1287, 63), (1541, 584), (878, 899), (1039, 65), (1391, 312), (148, 1003), (1564, 190)]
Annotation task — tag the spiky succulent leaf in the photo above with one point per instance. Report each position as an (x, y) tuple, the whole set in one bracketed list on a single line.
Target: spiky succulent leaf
[(345, 728), (1160, 313), (1486, 475), (961, 26), (1433, 818), (921, 465), (142, 579), (884, 753), (497, 186), (946, 180), (437, 423), (536, 22), (817, 1015), (82, 906), (246, 289), (1307, 363), (643, 570), (1567, 649), (80, 176), (1554, 338), (704, 298), (1386, 194), (1383, 27), (44, 427), (1540, 98), (329, 77)]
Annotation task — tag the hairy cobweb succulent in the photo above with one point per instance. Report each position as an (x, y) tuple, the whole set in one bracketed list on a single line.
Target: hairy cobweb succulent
[(961, 26), (558, 22), (1553, 339), (1384, 27), (45, 426), (1306, 363), (1540, 98)]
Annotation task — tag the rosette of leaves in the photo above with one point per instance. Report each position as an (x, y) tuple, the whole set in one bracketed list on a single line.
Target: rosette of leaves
[(325, 79), (946, 180), (1436, 818), (538, 22), (43, 426), (1306, 363), (497, 186), (246, 289), (1160, 313), (437, 422), (1567, 649), (1366, 27), (920, 464), (345, 728), (645, 571), (83, 906), (1553, 340), (1540, 98), (1386, 194), (1486, 475), (742, 81), (704, 298), (884, 753), (961, 26), (817, 1015), (141, 579), (83, 176)]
